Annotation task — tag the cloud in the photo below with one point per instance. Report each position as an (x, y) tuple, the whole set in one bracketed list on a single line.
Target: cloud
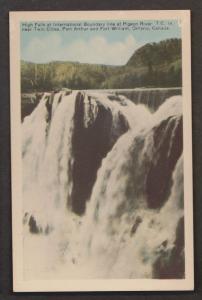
[(97, 49)]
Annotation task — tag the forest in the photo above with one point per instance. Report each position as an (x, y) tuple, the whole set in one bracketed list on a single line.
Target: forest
[(152, 65)]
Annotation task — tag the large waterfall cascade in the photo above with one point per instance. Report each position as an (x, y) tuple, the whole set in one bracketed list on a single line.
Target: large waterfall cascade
[(103, 187)]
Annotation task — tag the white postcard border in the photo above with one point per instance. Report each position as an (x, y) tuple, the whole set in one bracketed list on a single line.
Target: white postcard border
[(21, 285)]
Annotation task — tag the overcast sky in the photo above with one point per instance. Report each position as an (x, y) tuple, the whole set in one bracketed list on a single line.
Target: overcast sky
[(114, 48)]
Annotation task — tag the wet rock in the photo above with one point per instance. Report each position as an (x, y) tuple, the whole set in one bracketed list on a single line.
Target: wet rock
[(168, 145), (91, 142), (171, 264), (138, 221), (49, 103), (33, 227)]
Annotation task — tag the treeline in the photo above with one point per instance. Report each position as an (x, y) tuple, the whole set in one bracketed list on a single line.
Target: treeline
[(152, 65)]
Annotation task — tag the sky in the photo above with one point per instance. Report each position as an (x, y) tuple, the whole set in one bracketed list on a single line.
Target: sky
[(100, 47)]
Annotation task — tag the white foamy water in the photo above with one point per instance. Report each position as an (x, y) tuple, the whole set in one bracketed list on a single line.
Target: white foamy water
[(128, 225)]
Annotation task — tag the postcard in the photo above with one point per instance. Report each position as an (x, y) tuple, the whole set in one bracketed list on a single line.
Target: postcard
[(101, 152)]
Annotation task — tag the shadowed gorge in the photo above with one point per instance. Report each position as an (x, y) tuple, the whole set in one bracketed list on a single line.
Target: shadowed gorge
[(91, 141)]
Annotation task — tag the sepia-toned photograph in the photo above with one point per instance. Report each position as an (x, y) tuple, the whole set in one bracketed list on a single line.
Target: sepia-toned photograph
[(101, 151)]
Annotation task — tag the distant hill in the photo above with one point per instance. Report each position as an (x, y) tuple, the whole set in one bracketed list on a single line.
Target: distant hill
[(152, 65), (154, 54)]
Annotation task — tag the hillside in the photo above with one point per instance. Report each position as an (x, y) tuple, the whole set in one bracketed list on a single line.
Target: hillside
[(156, 53), (152, 65)]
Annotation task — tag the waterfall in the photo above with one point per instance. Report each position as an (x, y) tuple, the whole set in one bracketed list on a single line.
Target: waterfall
[(103, 188), (151, 97)]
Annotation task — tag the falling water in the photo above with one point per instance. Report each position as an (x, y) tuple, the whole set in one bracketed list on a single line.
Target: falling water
[(102, 188)]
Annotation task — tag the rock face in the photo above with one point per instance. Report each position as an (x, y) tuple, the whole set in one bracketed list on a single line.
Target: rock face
[(91, 141), (172, 265), (168, 144)]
